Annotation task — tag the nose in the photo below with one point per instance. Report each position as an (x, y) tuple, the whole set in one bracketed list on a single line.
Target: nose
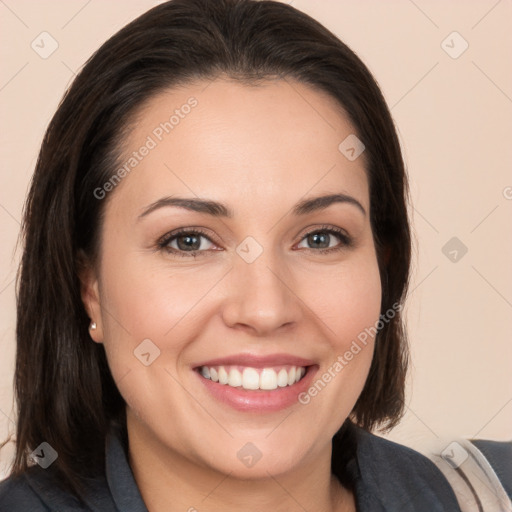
[(262, 295)]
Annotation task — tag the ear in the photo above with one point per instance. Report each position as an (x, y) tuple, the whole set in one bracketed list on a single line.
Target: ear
[(89, 291)]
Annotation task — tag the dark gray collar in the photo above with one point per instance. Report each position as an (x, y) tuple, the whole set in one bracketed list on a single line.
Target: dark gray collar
[(384, 475), (123, 487)]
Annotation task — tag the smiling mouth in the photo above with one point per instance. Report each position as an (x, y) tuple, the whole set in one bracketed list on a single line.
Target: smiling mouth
[(249, 378)]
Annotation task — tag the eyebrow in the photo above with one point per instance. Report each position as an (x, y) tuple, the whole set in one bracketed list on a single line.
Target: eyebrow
[(217, 209)]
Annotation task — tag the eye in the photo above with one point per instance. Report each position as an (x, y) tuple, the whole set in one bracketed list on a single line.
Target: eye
[(185, 242), (321, 239), (188, 242)]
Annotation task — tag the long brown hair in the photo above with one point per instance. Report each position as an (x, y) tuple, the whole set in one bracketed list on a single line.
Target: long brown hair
[(65, 394)]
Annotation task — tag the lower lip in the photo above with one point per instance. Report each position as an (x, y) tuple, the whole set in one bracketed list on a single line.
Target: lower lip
[(259, 400)]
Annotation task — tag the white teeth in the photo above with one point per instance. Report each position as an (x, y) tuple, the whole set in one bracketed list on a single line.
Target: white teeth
[(252, 378), (268, 379), (291, 376), (282, 378), (235, 378), (223, 375)]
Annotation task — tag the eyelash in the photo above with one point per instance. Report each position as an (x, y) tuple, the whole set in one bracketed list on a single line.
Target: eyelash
[(163, 242)]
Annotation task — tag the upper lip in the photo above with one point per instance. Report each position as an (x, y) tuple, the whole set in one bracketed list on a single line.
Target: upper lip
[(258, 361)]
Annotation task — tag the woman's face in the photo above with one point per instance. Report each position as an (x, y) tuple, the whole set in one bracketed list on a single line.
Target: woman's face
[(259, 284)]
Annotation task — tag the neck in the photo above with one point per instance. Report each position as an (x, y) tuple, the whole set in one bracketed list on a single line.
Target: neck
[(170, 482)]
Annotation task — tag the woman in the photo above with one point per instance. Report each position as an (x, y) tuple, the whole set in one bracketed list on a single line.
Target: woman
[(216, 257)]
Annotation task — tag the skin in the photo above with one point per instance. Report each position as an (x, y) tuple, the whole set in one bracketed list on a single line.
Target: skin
[(260, 150)]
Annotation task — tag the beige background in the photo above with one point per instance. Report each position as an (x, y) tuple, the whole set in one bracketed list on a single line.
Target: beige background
[(454, 116)]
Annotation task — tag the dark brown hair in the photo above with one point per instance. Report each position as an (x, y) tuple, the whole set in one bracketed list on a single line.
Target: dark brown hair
[(65, 394)]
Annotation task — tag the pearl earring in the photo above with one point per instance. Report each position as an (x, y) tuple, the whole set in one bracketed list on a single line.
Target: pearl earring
[(93, 325)]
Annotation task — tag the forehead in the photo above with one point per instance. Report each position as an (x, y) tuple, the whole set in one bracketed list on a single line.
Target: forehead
[(255, 145)]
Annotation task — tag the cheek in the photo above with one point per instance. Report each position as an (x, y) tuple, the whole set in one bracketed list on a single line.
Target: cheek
[(345, 297), (358, 304), (346, 300), (150, 299), (156, 302)]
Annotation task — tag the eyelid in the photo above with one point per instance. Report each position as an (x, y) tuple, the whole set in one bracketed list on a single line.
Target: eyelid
[(309, 230), (182, 231)]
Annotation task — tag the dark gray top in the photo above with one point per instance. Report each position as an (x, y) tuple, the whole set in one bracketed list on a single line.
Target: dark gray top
[(384, 475)]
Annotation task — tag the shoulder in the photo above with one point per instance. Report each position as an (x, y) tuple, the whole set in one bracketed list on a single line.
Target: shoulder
[(38, 490), (441, 474), (16, 495), (499, 455), (398, 477)]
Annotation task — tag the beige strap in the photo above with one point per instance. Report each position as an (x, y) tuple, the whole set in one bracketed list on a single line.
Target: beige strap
[(472, 478)]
